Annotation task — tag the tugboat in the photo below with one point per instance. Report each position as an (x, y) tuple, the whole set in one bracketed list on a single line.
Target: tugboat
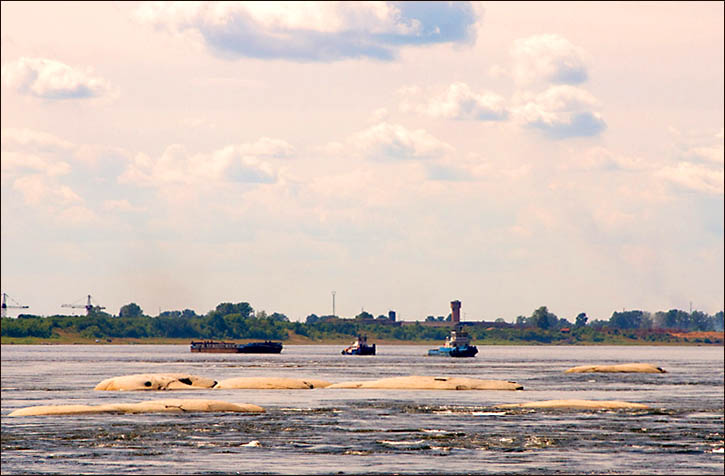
[(458, 344), (216, 347), (360, 347)]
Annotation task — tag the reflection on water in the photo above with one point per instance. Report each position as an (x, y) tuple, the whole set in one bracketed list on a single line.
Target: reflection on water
[(325, 431)]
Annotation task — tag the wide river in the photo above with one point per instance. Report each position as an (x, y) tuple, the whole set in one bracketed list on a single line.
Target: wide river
[(343, 431)]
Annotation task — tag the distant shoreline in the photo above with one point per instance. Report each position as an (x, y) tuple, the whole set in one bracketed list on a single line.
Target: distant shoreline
[(300, 340)]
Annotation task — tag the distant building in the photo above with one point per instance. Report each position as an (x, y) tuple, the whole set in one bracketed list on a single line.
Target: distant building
[(391, 315)]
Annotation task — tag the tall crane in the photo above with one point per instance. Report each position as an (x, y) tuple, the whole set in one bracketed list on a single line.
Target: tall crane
[(89, 307), (6, 306)]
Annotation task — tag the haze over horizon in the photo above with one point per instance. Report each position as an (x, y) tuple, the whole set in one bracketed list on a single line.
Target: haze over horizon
[(508, 155)]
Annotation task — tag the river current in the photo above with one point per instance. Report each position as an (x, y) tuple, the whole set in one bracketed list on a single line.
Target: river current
[(345, 431)]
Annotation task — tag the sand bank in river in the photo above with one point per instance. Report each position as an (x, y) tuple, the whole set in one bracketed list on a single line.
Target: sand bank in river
[(271, 383), (186, 381), (629, 368), (583, 404), (415, 382), (156, 382), (153, 406)]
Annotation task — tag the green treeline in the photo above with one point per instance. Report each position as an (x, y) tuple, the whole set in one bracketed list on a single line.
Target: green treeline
[(240, 321)]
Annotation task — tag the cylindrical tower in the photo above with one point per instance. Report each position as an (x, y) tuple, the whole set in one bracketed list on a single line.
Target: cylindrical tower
[(455, 311)]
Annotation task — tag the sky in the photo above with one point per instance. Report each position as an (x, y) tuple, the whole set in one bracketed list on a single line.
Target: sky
[(403, 155)]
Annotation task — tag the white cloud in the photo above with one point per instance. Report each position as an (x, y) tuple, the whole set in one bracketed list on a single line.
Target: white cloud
[(561, 112), (233, 163), (313, 31), (547, 58), (38, 190), (393, 141), (121, 206), (267, 147), (51, 79), (409, 90), (699, 162), (699, 145), (27, 151), (497, 71), (16, 162), (379, 115), (325, 17), (33, 140), (601, 158), (44, 171), (474, 167), (77, 215), (695, 177), (331, 149), (353, 191), (608, 217), (713, 154), (459, 102)]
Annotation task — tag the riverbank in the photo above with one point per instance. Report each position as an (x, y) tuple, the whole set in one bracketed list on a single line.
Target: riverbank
[(68, 338)]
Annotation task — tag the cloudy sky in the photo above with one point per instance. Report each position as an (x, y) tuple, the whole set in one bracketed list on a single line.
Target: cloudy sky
[(509, 155)]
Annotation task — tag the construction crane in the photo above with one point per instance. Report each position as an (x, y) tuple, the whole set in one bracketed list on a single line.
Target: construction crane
[(89, 307), (6, 306)]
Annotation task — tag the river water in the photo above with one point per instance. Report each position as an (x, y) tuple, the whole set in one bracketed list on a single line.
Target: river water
[(344, 431)]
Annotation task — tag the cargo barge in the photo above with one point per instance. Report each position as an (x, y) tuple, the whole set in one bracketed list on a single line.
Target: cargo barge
[(218, 347)]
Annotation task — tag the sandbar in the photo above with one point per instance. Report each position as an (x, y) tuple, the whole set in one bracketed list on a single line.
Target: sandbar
[(580, 404), (618, 368), (415, 382), (271, 383), (155, 382), (153, 406)]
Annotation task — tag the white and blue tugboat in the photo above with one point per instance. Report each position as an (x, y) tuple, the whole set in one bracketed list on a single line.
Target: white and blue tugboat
[(458, 344), (360, 347)]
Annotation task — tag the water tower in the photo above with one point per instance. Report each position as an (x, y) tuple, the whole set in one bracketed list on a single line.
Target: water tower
[(456, 311)]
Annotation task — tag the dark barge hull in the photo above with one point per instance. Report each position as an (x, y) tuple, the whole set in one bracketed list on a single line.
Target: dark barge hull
[(261, 348), (212, 347), (467, 351)]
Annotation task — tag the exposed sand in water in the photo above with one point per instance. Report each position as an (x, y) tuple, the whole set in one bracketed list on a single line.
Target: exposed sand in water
[(415, 382), (186, 381), (153, 406), (271, 383), (584, 404), (634, 368), (156, 382)]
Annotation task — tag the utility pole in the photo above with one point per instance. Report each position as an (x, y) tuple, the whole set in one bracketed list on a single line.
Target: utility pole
[(333, 303)]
